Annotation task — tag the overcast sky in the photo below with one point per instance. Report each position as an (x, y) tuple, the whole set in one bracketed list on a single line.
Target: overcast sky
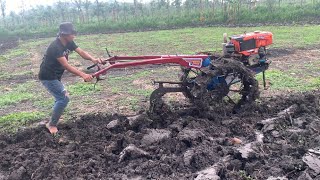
[(16, 5)]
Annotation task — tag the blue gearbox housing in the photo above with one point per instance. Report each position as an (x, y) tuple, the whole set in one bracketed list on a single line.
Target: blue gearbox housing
[(215, 82)]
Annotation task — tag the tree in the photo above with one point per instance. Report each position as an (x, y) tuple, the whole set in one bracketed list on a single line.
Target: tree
[(61, 8), (176, 4), (22, 7), (271, 3), (115, 8), (135, 4), (13, 16), (79, 5), (162, 4), (188, 4), (3, 8), (98, 9), (87, 4), (49, 15)]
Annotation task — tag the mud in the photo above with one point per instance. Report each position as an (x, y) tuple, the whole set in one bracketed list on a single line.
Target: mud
[(279, 140), (8, 44)]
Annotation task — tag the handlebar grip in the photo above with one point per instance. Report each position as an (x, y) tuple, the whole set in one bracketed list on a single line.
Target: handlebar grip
[(92, 66)]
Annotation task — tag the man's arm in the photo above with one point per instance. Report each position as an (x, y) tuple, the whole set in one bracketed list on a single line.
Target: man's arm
[(87, 56), (63, 61)]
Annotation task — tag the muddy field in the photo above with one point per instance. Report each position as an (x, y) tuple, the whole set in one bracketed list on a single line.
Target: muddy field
[(8, 44), (276, 138)]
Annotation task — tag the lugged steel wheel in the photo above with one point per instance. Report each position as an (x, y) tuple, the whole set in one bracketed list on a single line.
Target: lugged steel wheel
[(188, 79), (226, 79)]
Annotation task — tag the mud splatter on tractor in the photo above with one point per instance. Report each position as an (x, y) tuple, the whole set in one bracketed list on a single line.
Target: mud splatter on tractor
[(208, 78)]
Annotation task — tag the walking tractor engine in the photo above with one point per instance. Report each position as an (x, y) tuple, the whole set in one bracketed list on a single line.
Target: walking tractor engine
[(207, 78), (249, 48)]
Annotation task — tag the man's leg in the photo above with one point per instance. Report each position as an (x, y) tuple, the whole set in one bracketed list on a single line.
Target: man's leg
[(58, 108), (56, 88)]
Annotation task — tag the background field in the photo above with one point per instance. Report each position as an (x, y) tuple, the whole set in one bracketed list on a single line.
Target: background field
[(23, 101), (102, 16)]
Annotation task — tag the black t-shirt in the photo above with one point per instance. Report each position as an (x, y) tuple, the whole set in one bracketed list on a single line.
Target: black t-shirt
[(50, 68)]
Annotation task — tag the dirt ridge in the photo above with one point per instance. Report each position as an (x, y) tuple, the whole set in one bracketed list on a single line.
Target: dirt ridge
[(181, 144)]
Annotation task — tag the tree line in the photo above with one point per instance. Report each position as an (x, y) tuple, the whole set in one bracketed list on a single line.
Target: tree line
[(92, 16)]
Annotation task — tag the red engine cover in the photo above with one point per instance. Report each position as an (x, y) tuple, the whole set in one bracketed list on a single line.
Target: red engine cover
[(249, 43)]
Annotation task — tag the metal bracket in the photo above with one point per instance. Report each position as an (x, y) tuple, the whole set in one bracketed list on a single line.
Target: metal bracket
[(264, 80)]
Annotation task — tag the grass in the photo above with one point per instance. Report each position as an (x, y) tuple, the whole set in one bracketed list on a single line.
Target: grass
[(19, 93), (125, 84), (81, 89), (11, 75), (139, 92), (24, 63), (314, 83), (280, 80), (28, 86), (131, 102), (40, 42), (13, 121), (191, 40), (129, 78), (14, 98), (21, 117), (17, 52), (3, 59), (180, 41), (44, 103)]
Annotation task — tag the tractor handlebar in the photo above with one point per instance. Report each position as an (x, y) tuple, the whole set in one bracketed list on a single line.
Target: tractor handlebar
[(104, 61), (92, 66)]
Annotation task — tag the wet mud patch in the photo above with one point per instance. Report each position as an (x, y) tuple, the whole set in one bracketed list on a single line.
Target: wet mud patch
[(275, 138), (280, 52)]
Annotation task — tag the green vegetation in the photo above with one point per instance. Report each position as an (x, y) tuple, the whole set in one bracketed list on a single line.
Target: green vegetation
[(24, 63), (2, 59), (28, 86), (280, 80), (191, 40), (81, 89), (44, 103), (125, 84), (138, 92), (13, 121), (17, 52), (131, 102), (14, 98), (102, 16), (9, 75), (20, 93), (124, 79)]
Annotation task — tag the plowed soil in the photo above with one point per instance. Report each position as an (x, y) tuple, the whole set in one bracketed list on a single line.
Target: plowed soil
[(8, 44), (269, 139)]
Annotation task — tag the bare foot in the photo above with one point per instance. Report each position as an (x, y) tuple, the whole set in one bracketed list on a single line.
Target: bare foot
[(52, 129)]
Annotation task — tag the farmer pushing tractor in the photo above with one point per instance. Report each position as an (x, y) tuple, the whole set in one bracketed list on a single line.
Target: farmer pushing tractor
[(206, 78), (54, 62)]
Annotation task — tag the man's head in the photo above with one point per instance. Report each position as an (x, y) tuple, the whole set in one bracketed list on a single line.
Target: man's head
[(67, 31)]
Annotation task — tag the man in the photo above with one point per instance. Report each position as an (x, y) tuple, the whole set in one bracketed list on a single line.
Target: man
[(55, 61)]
